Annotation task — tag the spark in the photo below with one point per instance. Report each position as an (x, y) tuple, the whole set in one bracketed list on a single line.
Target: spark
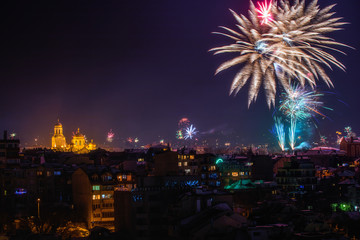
[(265, 12)]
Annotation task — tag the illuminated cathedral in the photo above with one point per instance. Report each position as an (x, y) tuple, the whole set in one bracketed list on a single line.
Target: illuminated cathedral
[(78, 143)]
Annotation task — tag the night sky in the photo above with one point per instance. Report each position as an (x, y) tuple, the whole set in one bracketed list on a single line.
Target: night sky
[(137, 67)]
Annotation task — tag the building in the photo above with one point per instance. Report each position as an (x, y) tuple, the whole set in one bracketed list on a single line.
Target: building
[(9, 150), (58, 141), (297, 175), (93, 194), (351, 146), (78, 143)]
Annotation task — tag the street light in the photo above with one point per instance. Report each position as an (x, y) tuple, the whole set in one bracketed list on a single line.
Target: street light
[(38, 205)]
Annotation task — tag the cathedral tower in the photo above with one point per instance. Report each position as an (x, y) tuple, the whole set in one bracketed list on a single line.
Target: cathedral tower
[(58, 141)]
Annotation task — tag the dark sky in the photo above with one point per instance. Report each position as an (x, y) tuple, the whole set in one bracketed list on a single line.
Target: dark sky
[(137, 67)]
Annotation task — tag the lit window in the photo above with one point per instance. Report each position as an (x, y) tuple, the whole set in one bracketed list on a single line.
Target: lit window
[(96, 197), (242, 173), (179, 164), (185, 164), (39, 173), (129, 177), (179, 156), (212, 168), (235, 174), (48, 173), (57, 173), (106, 196), (96, 188), (124, 177), (192, 157), (119, 178), (187, 171), (140, 159)]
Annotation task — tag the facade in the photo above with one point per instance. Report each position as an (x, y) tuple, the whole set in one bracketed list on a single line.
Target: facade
[(297, 175), (93, 194)]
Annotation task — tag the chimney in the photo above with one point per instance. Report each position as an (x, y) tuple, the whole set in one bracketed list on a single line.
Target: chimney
[(5, 135)]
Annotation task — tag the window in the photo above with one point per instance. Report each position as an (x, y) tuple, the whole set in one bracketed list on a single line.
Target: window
[(106, 196), (242, 173), (57, 173), (96, 197), (187, 171), (185, 164), (39, 173), (48, 173), (235, 174), (106, 178), (96, 188), (179, 164), (212, 168), (107, 214), (192, 157), (124, 177)]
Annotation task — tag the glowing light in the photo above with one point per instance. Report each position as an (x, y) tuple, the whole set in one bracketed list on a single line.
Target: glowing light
[(219, 161), (130, 140), (292, 46), (12, 135), (190, 132), (279, 131), (264, 11), (110, 136)]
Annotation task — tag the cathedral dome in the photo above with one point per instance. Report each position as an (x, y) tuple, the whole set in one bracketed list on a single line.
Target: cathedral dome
[(78, 134), (58, 124)]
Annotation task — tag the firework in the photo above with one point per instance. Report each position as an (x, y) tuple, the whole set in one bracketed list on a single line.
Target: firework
[(280, 133), (110, 136), (179, 134), (12, 135), (298, 103), (183, 124), (130, 140), (349, 132), (264, 11), (190, 132), (291, 45), (323, 140)]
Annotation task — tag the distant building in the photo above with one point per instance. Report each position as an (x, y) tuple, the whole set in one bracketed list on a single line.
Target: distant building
[(78, 142), (58, 141), (9, 150), (351, 146)]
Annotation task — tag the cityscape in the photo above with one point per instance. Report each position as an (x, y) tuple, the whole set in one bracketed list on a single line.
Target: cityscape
[(180, 120)]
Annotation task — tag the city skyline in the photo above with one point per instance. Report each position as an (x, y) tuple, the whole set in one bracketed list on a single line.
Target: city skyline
[(138, 68)]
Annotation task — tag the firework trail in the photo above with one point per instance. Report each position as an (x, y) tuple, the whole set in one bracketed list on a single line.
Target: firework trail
[(281, 41), (279, 131)]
